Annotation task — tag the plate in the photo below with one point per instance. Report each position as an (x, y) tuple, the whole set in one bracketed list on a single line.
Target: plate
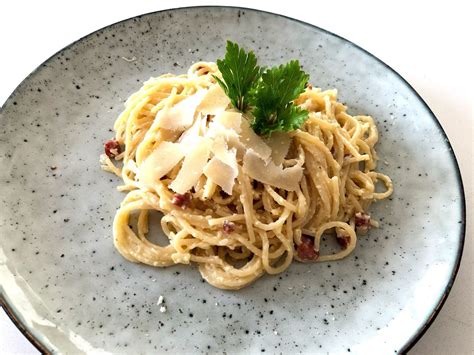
[(69, 290)]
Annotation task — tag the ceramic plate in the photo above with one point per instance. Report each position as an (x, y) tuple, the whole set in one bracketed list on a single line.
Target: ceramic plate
[(64, 283)]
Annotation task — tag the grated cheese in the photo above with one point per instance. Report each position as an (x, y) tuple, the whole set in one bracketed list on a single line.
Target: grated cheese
[(160, 300)]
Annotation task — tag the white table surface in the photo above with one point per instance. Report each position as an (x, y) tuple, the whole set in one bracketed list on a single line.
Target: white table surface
[(426, 42)]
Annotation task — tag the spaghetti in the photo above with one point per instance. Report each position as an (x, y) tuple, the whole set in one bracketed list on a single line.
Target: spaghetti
[(237, 204)]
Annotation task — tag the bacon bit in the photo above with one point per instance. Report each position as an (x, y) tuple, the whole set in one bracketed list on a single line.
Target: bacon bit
[(343, 240), (228, 227), (112, 148), (309, 86), (306, 249), (181, 200), (362, 221)]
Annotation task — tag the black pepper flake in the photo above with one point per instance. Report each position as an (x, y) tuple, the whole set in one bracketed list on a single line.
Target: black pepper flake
[(112, 268), (62, 255), (191, 315), (66, 220)]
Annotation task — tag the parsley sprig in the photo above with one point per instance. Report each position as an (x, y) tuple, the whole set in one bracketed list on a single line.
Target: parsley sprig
[(266, 95), (239, 71), (272, 98)]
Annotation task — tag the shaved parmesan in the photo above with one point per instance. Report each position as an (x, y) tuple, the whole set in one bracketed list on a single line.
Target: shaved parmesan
[(254, 142), (230, 120), (222, 168), (221, 174), (160, 162), (220, 150), (269, 173), (279, 143), (192, 168), (214, 102), (218, 130), (191, 136), (181, 115)]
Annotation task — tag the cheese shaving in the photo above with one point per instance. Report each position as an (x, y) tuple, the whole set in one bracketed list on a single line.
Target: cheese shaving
[(191, 136), (221, 174), (192, 168), (279, 143), (214, 102), (254, 142), (181, 115), (269, 173), (223, 153), (230, 120), (159, 162)]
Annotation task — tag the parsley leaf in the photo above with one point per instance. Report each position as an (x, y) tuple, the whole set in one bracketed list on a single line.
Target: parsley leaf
[(239, 71), (272, 96), (267, 95)]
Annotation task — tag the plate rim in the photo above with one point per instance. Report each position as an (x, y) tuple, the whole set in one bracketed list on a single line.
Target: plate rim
[(9, 308)]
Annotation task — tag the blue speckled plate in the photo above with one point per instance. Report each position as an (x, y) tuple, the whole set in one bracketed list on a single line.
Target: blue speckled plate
[(69, 290)]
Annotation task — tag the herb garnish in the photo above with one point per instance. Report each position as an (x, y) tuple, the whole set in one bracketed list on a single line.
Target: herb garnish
[(272, 98), (239, 71), (267, 95)]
